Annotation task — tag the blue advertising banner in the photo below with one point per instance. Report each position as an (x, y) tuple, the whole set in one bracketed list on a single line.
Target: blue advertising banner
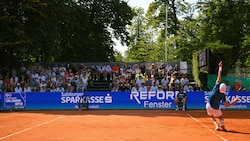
[(113, 100), (14, 100)]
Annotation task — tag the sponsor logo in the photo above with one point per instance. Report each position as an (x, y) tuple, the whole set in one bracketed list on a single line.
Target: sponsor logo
[(80, 97)]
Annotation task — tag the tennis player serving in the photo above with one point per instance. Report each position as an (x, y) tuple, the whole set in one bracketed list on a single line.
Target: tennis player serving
[(215, 97)]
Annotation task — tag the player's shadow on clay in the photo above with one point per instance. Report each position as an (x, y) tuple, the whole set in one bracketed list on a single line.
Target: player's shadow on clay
[(237, 132)]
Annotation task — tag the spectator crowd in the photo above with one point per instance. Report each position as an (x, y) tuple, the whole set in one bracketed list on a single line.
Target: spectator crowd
[(76, 77)]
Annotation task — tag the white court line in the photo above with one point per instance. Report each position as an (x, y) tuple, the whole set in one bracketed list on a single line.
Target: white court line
[(29, 128), (206, 127)]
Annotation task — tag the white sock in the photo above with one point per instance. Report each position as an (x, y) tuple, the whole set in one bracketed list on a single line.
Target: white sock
[(222, 121)]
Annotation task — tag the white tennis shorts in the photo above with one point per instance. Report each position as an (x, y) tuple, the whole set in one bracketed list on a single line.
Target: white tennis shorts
[(213, 112)]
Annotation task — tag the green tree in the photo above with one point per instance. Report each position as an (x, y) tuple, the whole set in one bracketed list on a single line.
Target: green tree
[(227, 22)]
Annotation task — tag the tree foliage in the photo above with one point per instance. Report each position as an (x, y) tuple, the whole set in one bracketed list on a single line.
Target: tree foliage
[(65, 30), (218, 25)]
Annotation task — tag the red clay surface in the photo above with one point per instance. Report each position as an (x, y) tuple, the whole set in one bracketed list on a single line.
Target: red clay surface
[(121, 125)]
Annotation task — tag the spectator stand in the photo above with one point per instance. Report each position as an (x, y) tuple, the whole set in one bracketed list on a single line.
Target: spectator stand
[(65, 75)]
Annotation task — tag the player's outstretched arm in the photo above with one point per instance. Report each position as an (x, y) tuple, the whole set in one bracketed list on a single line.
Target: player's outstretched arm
[(219, 72), (226, 104)]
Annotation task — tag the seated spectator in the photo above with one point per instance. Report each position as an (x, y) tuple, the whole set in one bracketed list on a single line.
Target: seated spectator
[(142, 68), (168, 68), (18, 88), (135, 88), (80, 86), (115, 87), (140, 81), (123, 87), (174, 83), (154, 87), (190, 88), (238, 86), (176, 70), (108, 73), (184, 81), (122, 79), (70, 88), (164, 83), (60, 89), (102, 72), (161, 70), (143, 88), (122, 69), (33, 84), (160, 88), (138, 75), (136, 69), (27, 88), (115, 70), (181, 97), (8, 88), (53, 88), (228, 86), (196, 88), (152, 69)]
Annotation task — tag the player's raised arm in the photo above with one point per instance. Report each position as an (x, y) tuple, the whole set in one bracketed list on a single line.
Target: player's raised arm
[(219, 72)]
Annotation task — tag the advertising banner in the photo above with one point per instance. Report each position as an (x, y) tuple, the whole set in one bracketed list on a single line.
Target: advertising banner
[(113, 100), (14, 100)]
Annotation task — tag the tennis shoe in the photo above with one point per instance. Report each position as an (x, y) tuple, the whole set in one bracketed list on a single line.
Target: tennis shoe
[(217, 128), (223, 128)]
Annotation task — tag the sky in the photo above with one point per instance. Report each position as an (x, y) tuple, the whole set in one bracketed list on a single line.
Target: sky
[(144, 4)]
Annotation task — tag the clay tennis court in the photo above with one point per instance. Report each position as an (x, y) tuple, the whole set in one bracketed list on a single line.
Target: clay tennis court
[(121, 125)]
